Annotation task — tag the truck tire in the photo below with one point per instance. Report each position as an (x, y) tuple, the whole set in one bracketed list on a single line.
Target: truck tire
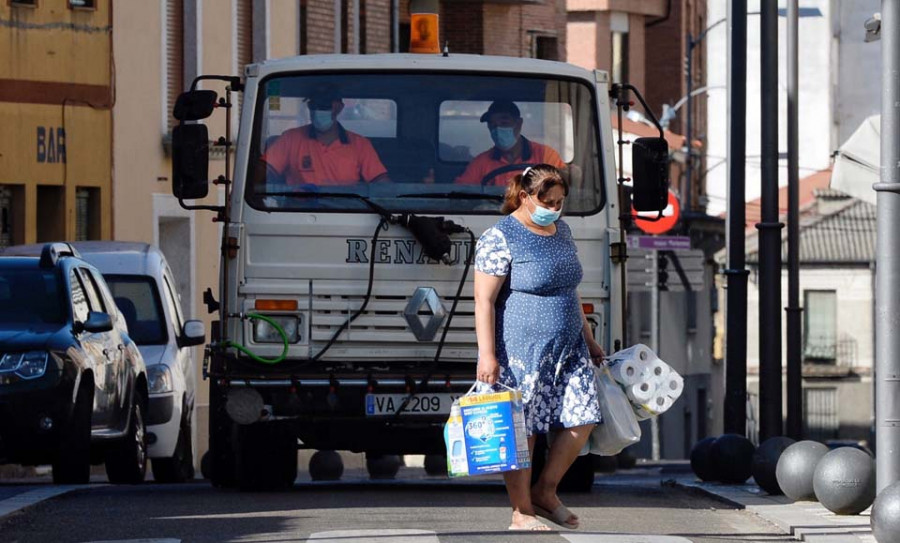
[(72, 464), (266, 457), (126, 461), (179, 467), (222, 437)]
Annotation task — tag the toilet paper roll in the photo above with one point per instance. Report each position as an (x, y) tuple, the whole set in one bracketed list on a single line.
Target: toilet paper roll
[(641, 393), (673, 386), (659, 370), (639, 353), (661, 403), (625, 371)]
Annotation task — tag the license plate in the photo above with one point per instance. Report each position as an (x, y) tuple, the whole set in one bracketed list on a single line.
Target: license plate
[(421, 404)]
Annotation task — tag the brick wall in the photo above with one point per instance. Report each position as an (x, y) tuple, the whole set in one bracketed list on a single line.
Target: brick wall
[(320, 26), (510, 29), (462, 26), (378, 26)]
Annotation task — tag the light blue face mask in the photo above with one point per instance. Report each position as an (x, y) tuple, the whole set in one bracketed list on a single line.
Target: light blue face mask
[(504, 137), (322, 119), (542, 216)]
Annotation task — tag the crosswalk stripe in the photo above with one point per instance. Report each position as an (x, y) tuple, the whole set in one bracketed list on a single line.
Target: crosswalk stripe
[(623, 538), (138, 541), (31, 497), (373, 536)]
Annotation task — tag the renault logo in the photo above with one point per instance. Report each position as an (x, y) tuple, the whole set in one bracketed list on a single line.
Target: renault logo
[(424, 296)]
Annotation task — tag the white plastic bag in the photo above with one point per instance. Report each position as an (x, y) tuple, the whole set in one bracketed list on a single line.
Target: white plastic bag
[(619, 427)]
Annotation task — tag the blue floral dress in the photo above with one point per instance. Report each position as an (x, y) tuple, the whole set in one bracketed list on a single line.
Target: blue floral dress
[(538, 324)]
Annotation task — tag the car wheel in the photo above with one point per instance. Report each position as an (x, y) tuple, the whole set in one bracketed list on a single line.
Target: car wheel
[(180, 466), (126, 462), (72, 464)]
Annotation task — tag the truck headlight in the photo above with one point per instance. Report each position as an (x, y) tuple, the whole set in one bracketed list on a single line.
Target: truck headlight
[(263, 332), (159, 379), (30, 365)]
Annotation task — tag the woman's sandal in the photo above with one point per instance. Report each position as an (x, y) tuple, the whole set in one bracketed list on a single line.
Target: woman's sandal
[(533, 525), (560, 515)]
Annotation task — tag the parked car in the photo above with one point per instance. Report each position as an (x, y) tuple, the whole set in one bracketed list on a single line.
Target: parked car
[(73, 385), (144, 289)]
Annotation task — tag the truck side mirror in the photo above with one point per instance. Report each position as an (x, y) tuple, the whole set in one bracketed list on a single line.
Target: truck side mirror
[(194, 105), (190, 161), (650, 171)]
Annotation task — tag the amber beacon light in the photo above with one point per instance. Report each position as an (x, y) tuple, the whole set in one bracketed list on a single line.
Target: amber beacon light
[(423, 27)]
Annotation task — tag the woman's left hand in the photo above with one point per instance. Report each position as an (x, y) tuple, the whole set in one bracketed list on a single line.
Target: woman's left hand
[(596, 351)]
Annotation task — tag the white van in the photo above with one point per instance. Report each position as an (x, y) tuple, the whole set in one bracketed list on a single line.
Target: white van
[(144, 289)]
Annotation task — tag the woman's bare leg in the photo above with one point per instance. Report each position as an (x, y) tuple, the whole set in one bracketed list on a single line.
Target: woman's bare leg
[(562, 454), (518, 486)]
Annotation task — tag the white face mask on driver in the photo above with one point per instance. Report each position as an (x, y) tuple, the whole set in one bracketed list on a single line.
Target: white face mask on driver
[(322, 119)]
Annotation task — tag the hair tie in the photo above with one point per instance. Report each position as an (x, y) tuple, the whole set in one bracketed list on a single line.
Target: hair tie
[(525, 173)]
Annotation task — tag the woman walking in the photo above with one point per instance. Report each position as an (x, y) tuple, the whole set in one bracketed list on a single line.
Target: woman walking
[(533, 336)]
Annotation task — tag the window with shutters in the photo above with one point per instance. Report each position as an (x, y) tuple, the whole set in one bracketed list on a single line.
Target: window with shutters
[(87, 214), (174, 57)]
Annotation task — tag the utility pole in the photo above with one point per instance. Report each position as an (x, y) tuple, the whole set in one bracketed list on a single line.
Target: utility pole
[(770, 395), (887, 257), (794, 312), (736, 272)]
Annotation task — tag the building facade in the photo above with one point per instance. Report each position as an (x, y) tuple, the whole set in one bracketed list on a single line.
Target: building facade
[(56, 100)]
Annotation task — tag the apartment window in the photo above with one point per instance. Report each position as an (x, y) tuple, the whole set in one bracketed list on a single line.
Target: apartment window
[(820, 326), (23, 3), (174, 57), (820, 413), (546, 47), (83, 4), (87, 214), (244, 34)]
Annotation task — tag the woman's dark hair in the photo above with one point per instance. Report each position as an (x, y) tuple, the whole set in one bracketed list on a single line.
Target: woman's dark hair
[(535, 180)]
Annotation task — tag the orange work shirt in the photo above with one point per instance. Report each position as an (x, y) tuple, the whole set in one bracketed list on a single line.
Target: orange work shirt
[(490, 160), (301, 158)]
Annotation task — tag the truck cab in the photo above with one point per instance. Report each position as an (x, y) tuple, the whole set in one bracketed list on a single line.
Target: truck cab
[(347, 313)]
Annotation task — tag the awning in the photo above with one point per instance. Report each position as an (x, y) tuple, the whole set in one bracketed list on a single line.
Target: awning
[(857, 164)]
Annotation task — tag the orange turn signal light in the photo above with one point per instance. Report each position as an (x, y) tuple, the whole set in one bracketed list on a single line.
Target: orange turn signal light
[(423, 33), (587, 308), (276, 305)]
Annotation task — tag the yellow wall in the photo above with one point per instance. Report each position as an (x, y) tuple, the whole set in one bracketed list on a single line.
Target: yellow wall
[(54, 95)]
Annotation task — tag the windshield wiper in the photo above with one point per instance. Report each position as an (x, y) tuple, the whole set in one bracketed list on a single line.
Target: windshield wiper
[(375, 207), (455, 195)]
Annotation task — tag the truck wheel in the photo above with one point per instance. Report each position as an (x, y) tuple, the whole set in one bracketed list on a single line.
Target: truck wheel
[(436, 465), (126, 462), (222, 434), (266, 457), (72, 465), (180, 466)]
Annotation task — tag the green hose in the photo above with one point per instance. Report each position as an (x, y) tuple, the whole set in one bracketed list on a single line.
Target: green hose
[(256, 357)]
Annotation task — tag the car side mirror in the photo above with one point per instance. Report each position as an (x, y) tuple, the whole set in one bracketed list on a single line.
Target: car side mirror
[(190, 161), (194, 105), (193, 333), (98, 322), (650, 174)]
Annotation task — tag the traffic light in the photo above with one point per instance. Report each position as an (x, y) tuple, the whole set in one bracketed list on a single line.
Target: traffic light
[(662, 273)]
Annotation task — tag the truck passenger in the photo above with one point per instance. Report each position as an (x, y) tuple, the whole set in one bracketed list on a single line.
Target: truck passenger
[(322, 152), (504, 120)]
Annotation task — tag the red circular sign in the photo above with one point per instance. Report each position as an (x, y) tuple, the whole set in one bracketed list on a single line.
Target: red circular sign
[(670, 216)]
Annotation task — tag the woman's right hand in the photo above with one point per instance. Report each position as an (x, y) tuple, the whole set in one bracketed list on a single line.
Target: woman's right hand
[(488, 369)]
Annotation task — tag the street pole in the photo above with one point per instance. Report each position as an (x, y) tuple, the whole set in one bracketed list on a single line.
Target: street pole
[(887, 257), (770, 395), (654, 341), (735, 417), (794, 312), (689, 124)]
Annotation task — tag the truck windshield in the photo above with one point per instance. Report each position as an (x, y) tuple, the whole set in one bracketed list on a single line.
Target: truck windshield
[(431, 143), (30, 296)]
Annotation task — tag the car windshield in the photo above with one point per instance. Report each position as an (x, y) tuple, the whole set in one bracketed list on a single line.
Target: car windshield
[(31, 296), (138, 299), (431, 143)]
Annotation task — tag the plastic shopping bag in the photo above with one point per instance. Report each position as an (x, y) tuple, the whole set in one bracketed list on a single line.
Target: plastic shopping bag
[(619, 427)]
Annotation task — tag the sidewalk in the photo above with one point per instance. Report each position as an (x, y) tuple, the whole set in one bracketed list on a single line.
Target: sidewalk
[(805, 521)]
